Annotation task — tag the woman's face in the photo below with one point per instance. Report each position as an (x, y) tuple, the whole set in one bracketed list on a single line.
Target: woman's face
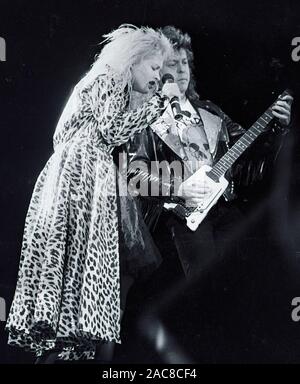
[(145, 74)]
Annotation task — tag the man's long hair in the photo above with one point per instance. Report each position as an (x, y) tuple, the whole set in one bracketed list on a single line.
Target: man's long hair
[(179, 41)]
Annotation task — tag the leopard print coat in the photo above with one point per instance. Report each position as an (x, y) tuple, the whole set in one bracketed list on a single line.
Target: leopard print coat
[(68, 288)]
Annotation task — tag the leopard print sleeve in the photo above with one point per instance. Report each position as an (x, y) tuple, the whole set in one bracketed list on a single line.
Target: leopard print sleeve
[(108, 105)]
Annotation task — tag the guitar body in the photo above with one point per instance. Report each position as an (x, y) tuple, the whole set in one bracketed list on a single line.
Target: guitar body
[(195, 216)]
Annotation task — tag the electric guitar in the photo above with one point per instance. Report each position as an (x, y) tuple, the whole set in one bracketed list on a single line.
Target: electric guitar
[(214, 176)]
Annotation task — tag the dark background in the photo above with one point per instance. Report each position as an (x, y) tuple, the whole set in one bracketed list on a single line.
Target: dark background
[(243, 61)]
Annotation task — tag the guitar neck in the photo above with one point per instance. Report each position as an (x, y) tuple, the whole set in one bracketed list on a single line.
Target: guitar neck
[(244, 142)]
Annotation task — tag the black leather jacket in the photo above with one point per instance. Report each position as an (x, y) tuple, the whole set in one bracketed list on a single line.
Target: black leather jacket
[(147, 147)]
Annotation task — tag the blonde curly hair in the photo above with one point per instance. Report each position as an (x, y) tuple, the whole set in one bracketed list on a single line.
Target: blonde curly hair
[(126, 46)]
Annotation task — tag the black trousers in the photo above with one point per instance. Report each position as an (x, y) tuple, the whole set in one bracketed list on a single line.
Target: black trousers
[(215, 237)]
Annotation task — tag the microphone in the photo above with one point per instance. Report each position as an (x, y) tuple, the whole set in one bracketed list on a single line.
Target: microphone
[(174, 102)]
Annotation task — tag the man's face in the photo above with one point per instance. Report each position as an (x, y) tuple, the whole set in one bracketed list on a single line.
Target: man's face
[(178, 66)]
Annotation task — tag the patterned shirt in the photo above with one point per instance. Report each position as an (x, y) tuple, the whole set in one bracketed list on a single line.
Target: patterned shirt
[(193, 138)]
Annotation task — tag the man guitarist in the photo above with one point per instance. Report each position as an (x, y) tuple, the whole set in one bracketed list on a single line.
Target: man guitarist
[(200, 136)]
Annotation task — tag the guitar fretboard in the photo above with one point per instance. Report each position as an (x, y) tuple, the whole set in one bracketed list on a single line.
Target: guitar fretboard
[(226, 161)]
